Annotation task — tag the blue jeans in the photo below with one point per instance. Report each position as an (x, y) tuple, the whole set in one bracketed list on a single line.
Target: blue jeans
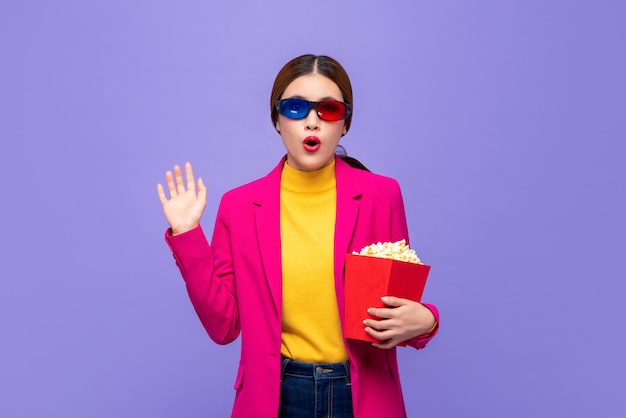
[(315, 390)]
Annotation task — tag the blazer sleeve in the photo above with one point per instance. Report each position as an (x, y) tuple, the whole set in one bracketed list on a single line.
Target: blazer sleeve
[(399, 229), (208, 274), (420, 341)]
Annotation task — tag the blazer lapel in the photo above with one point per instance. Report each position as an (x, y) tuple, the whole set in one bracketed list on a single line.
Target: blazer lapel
[(348, 195), (267, 219)]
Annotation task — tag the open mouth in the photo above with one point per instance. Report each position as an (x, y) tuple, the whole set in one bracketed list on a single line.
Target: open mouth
[(311, 143)]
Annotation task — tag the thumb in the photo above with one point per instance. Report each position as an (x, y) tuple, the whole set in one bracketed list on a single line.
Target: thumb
[(201, 190)]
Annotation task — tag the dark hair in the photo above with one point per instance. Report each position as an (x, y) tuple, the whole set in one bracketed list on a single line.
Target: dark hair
[(353, 162), (311, 64), (315, 64)]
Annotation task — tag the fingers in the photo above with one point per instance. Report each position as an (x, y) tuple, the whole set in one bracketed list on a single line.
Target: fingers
[(201, 190), (191, 182), (176, 183), (178, 175), (374, 325), (379, 335), (161, 194), (396, 324), (169, 180), (394, 301), (386, 338), (384, 313), (387, 344), (385, 330)]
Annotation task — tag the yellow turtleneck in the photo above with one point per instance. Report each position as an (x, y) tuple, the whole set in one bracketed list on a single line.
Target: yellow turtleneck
[(311, 327)]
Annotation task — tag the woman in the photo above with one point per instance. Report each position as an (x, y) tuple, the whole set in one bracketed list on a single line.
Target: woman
[(274, 269)]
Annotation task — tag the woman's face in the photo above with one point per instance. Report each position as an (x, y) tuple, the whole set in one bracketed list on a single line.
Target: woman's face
[(311, 141)]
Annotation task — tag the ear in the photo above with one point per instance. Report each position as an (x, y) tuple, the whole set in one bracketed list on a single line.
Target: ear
[(277, 126), (345, 131)]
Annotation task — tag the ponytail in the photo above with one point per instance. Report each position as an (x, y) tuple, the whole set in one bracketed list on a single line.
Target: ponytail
[(352, 162)]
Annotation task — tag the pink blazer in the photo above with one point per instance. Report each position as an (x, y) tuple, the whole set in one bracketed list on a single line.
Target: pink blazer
[(235, 285)]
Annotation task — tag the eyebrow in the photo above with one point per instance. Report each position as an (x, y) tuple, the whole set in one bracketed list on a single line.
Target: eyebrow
[(320, 100)]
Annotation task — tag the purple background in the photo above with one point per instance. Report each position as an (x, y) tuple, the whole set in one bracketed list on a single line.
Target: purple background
[(503, 122)]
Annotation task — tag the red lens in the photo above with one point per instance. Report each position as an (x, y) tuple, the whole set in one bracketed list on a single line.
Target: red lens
[(331, 110)]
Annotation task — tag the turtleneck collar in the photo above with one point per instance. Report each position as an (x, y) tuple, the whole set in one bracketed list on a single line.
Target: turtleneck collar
[(308, 181)]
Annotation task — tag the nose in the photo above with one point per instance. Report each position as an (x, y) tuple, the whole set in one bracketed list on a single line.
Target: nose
[(312, 120)]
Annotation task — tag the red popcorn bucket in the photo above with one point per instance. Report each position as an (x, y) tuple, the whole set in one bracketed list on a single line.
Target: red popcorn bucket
[(370, 278)]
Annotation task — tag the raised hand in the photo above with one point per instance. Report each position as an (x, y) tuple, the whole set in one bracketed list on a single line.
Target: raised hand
[(185, 206)]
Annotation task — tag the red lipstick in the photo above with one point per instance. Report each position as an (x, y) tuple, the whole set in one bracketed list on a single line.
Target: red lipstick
[(311, 143)]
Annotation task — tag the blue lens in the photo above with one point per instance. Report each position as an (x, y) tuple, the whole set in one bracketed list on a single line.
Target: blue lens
[(295, 108)]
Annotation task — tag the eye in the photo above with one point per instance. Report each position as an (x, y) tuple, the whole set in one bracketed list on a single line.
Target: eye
[(330, 107), (295, 106)]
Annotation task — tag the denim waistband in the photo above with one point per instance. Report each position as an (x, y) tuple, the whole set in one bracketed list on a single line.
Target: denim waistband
[(316, 370)]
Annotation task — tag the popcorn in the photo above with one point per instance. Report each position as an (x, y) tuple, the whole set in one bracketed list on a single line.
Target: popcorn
[(382, 269), (394, 250)]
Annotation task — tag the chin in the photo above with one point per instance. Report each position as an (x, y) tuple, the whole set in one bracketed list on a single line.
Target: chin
[(309, 163), (315, 165)]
